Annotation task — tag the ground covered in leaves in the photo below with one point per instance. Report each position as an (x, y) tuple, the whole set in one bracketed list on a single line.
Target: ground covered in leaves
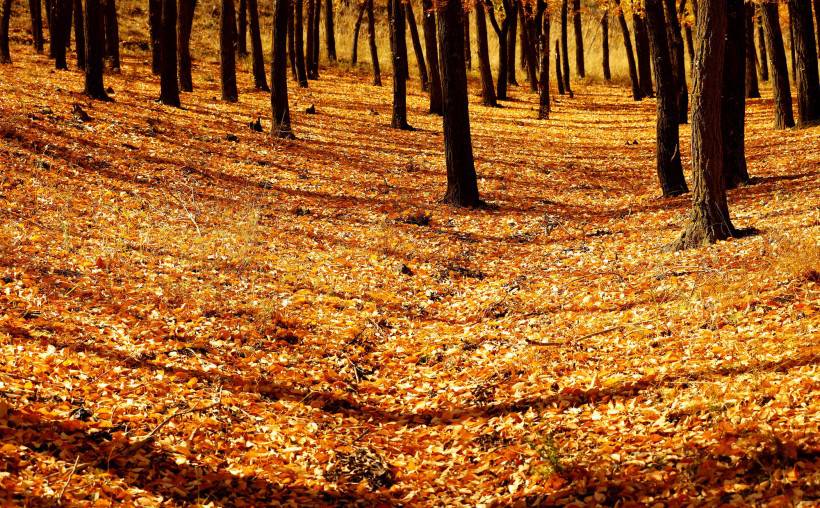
[(194, 313)]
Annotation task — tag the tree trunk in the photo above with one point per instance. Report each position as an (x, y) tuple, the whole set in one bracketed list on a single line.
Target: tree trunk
[(791, 50), (637, 92), (817, 22), (227, 58), (468, 59), (512, 33), (94, 49), (642, 51), (242, 31), (487, 85), (258, 62), (761, 43), (808, 77), (605, 46), (58, 28), (399, 49), (169, 87), (291, 43), (280, 112), (670, 171), (112, 34), (565, 48), (186, 20), (354, 53), (36, 11), (155, 28), (69, 13), (558, 77), (431, 47), (528, 45), (501, 32), (710, 220), (579, 38), (298, 39), (673, 34), (690, 44), (310, 39), (414, 37), (784, 117), (462, 185), (733, 113), (314, 62), (79, 32), (330, 35), (544, 76), (5, 54), (371, 39), (752, 87)]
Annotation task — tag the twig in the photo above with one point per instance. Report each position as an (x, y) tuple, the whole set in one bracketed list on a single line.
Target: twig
[(139, 443), (68, 480)]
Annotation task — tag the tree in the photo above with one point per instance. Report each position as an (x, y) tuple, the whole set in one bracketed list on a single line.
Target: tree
[(673, 33), (398, 46), (298, 39), (330, 36), (579, 38), (431, 47), (670, 171), (511, 36), (414, 37), (280, 112), (501, 32), (637, 91), (605, 45), (528, 42), (752, 87), (241, 33), (60, 27), (354, 52), (467, 55), (94, 50), (487, 87), (733, 113), (371, 39), (311, 7), (642, 52), (709, 221), (291, 43), (5, 54), (35, 9), (690, 43), (314, 58), (761, 43), (186, 21), (227, 58), (544, 76), (817, 22), (112, 34), (808, 78), (258, 59), (784, 117), (169, 86), (565, 48), (155, 27), (558, 77), (79, 33), (462, 184)]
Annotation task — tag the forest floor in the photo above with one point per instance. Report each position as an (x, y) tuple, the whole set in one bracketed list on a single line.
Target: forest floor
[(194, 313)]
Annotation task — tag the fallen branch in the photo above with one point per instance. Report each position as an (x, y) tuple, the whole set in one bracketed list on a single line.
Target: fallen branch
[(68, 480), (139, 443)]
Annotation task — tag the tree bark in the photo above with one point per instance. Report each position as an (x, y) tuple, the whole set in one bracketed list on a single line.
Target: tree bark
[(186, 20), (528, 45), (637, 91), (242, 31), (501, 32), (258, 58), (155, 27), (354, 52), (414, 37), (605, 46), (227, 58), (468, 59), (817, 23), (399, 49), (112, 35), (558, 77), (94, 39), (673, 33), (311, 4), (314, 62), (298, 39), (642, 52), (511, 40), (709, 221), (292, 43), (36, 11), (58, 28), (579, 38), (5, 54), (431, 47), (670, 171), (169, 87), (690, 43), (280, 112), (544, 75), (784, 117), (487, 85), (733, 113), (565, 48), (462, 185), (330, 35), (79, 33), (752, 86), (808, 77), (761, 43), (791, 51), (371, 39)]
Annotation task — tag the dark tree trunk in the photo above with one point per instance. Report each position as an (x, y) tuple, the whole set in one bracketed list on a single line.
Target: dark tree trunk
[(637, 92), (258, 63), (242, 31), (169, 87), (69, 13), (468, 59), (733, 113), (642, 52), (761, 43), (528, 51), (280, 112), (579, 38), (752, 87), (371, 39), (60, 24), (5, 54), (311, 4), (431, 47), (791, 50), (817, 23), (710, 220), (399, 48), (112, 35), (414, 37), (291, 43), (186, 20), (808, 78), (227, 58), (94, 50), (155, 29), (354, 53), (512, 33), (487, 85), (605, 46), (314, 61), (462, 185), (690, 43), (544, 75), (298, 39), (784, 117), (501, 32), (330, 31), (36, 10), (673, 34), (565, 48), (79, 33), (670, 170), (558, 77)]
